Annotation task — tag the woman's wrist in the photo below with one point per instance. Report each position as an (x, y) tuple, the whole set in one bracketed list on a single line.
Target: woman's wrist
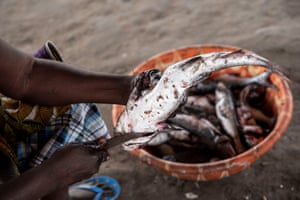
[(127, 88)]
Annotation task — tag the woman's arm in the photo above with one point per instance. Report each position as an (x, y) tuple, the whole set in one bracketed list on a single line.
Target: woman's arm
[(47, 82), (66, 166), (33, 184)]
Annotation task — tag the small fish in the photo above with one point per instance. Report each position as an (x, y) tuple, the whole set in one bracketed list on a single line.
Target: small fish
[(200, 103), (149, 140), (246, 119), (252, 115), (207, 134), (232, 82), (202, 88), (256, 95), (147, 113), (226, 113), (193, 110)]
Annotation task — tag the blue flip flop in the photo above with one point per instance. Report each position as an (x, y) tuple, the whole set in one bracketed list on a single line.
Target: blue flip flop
[(105, 187)]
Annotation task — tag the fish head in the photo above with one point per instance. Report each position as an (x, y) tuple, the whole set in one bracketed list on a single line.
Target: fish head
[(221, 91)]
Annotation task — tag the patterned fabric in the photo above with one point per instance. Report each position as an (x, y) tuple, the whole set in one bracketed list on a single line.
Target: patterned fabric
[(29, 134), (81, 123), (19, 119)]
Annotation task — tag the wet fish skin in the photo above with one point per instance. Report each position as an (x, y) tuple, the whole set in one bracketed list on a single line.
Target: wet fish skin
[(157, 138), (207, 134), (200, 102), (197, 126), (193, 110), (148, 112), (202, 88), (226, 113), (245, 116), (151, 140), (233, 82)]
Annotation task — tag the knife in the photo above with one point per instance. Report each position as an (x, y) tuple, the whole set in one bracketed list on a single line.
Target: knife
[(119, 139)]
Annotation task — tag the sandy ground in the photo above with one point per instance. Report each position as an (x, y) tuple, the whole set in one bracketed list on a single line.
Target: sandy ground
[(116, 35)]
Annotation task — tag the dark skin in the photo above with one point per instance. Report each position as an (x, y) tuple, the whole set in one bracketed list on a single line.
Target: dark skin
[(52, 83), (68, 165), (45, 82)]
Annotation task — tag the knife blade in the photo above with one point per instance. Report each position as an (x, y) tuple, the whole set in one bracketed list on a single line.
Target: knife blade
[(119, 139)]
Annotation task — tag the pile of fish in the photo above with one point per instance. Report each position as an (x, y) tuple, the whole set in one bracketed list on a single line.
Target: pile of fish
[(195, 119), (220, 118)]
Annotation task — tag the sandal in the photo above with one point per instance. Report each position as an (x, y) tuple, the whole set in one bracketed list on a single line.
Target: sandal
[(105, 187)]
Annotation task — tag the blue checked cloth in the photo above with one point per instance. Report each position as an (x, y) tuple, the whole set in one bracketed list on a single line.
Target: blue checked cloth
[(81, 123)]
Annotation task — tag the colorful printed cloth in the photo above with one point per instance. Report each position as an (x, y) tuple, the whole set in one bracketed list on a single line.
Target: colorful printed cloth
[(29, 134), (81, 123)]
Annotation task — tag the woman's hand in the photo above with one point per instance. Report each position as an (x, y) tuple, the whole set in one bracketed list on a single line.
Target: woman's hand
[(143, 82), (68, 165), (75, 162)]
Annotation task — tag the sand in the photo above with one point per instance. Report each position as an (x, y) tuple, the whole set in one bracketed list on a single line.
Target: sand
[(115, 36)]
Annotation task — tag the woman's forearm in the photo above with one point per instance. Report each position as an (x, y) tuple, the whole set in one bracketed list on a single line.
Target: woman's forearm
[(55, 83), (47, 82), (34, 184)]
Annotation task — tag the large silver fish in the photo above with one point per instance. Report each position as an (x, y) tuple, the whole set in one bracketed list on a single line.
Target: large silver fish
[(147, 113)]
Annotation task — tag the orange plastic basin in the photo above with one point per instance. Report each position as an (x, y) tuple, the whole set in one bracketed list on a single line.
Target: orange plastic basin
[(280, 102)]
